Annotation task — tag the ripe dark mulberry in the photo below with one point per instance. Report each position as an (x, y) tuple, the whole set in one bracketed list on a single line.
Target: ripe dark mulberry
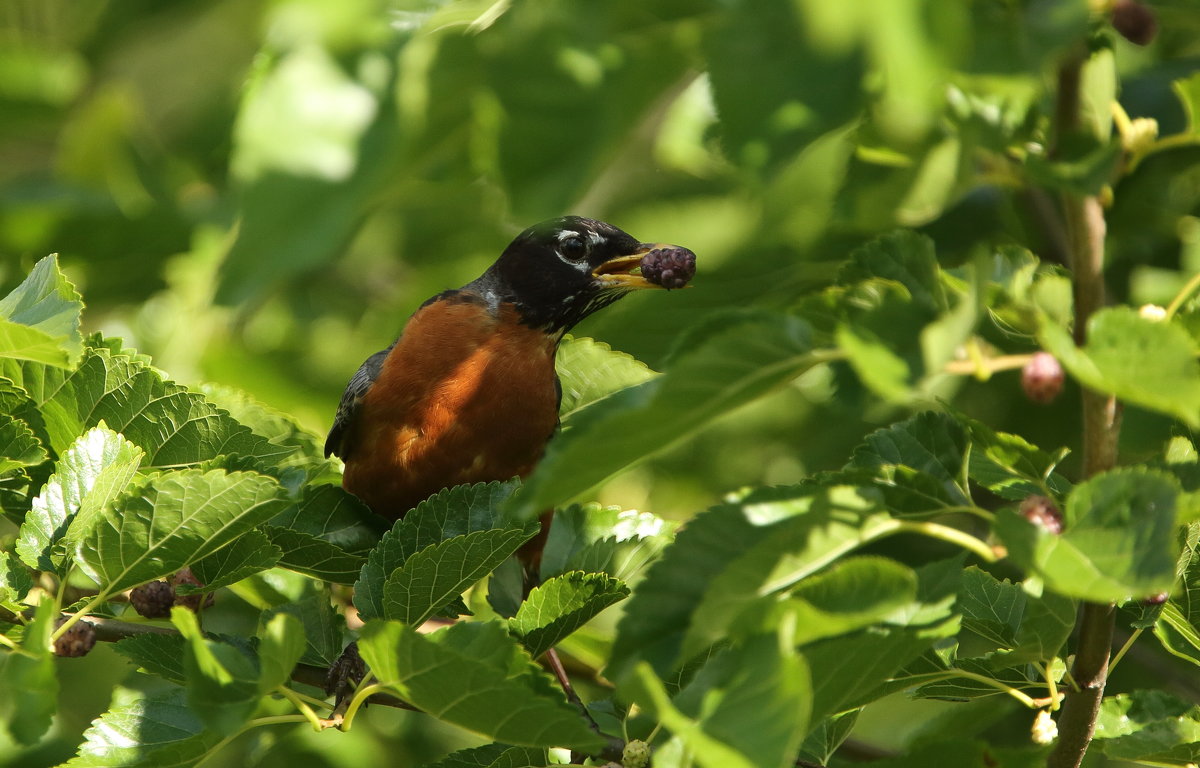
[(76, 641), (1043, 513), (153, 599), (669, 267), (1042, 378), (1134, 21), (192, 601)]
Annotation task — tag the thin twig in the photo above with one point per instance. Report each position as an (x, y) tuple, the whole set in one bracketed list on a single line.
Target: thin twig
[(1083, 218)]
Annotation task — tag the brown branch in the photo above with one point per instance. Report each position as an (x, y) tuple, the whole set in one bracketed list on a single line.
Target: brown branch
[(1083, 219)]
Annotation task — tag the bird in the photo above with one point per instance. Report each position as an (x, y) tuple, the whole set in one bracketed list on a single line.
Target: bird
[(468, 392)]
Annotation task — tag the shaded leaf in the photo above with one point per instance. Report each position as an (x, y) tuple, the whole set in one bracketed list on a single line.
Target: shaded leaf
[(1001, 621), (753, 698), (15, 581), (323, 626), (561, 605), (1010, 466), (222, 681), (281, 645), (304, 553), (923, 456), (727, 363), (27, 675), (19, 446), (475, 676), (448, 513), (437, 574), (251, 553), (729, 554), (494, 756), (158, 654)]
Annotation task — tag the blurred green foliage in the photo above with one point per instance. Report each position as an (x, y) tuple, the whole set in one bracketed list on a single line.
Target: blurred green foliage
[(258, 192)]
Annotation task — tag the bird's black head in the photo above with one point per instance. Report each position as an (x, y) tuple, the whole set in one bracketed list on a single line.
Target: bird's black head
[(560, 271)]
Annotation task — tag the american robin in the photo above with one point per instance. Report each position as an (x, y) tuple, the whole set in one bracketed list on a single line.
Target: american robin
[(468, 392)]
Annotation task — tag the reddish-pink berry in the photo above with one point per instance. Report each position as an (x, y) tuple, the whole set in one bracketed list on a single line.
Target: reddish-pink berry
[(1043, 513), (1042, 378)]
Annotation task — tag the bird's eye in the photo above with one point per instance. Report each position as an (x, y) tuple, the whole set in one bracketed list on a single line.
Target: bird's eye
[(573, 249)]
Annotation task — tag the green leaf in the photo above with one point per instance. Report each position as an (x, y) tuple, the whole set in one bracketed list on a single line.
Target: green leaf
[(304, 553), (708, 751), (87, 477), (437, 574), (222, 681), (923, 456), (905, 258), (1142, 361), (39, 320), (1151, 726), (729, 362), (174, 426), (177, 519), (825, 738), (851, 594), (1178, 621), (731, 554), (326, 534), (158, 654), (475, 676), (561, 605), (19, 446), (1000, 620), (1188, 91), (251, 553), (448, 513), (1095, 557), (754, 698), (15, 582), (146, 732), (323, 626), (1011, 467), (28, 676), (494, 756), (852, 670), (333, 515), (594, 538), (590, 370), (276, 426), (883, 371), (281, 646)]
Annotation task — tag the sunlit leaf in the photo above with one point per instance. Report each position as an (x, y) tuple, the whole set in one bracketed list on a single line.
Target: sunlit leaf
[(146, 732), (39, 319), (87, 477), (561, 605), (1095, 558), (179, 517), (1121, 347), (589, 370)]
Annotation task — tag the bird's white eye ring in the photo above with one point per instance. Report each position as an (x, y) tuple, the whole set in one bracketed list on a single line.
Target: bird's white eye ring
[(573, 248)]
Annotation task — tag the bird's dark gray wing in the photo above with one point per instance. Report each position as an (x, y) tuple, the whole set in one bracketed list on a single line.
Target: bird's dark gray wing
[(347, 410)]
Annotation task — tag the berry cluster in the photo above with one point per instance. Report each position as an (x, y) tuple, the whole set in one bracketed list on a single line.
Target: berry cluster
[(669, 267)]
